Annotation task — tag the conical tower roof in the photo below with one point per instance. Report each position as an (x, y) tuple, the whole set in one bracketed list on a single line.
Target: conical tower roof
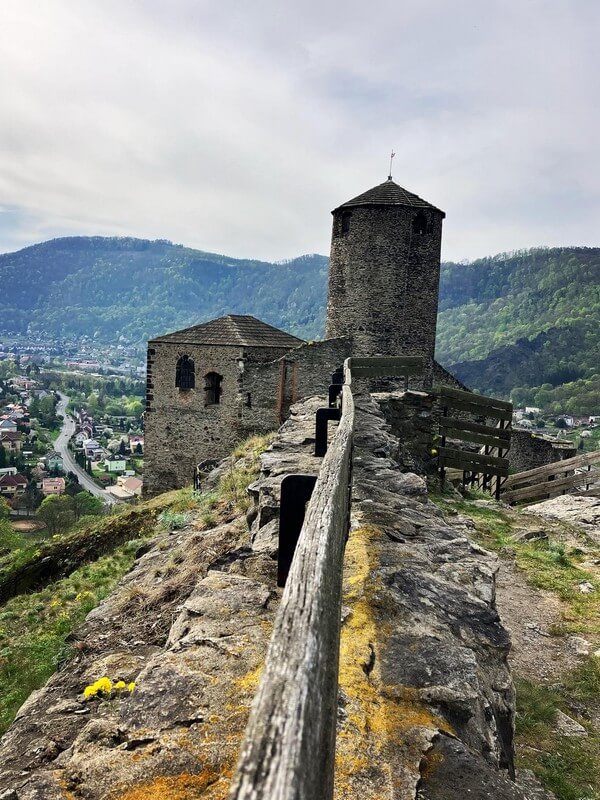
[(388, 193)]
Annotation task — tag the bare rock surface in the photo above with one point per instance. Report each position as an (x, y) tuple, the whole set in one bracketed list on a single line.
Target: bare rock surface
[(425, 683), (583, 512), (189, 624)]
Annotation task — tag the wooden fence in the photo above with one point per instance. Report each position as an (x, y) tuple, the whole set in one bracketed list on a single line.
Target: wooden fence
[(489, 465), (573, 475)]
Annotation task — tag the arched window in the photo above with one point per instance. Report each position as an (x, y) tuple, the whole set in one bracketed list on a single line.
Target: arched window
[(420, 224), (212, 388), (185, 374), (346, 217)]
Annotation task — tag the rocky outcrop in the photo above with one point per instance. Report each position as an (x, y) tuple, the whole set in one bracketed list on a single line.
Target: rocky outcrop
[(426, 699), (579, 510), (189, 625), (425, 686)]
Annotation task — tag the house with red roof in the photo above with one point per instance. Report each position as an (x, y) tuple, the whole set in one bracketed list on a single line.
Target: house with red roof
[(12, 484)]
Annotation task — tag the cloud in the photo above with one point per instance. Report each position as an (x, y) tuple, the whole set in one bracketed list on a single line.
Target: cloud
[(236, 127)]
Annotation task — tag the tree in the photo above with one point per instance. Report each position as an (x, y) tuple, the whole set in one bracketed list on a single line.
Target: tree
[(2, 457), (84, 503), (56, 511), (4, 509), (33, 496), (139, 449), (10, 539), (122, 447)]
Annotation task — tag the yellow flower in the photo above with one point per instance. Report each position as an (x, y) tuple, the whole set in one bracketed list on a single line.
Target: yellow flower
[(101, 686), (104, 685), (120, 685), (131, 686)]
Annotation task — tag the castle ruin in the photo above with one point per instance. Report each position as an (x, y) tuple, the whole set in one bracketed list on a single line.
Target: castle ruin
[(211, 385)]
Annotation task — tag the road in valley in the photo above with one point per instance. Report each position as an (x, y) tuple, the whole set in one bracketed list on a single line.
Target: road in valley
[(70, 465)]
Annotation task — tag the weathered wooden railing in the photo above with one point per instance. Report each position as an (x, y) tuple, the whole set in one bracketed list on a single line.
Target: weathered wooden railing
[(288, 750), (289, 747), (554, 479)]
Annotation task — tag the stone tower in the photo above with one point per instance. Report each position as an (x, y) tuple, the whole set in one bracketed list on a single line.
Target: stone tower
[(384, 273)]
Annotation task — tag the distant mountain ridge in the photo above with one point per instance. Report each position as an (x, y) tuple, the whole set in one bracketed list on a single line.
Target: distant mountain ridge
[(526, 322)]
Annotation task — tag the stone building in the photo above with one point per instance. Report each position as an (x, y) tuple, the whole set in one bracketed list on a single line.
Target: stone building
[(211, 385), (198, 405)]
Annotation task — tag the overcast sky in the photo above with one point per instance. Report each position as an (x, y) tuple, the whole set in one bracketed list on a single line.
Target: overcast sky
[(236, 127)]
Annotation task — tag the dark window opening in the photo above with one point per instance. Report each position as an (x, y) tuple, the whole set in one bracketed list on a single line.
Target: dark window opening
[(212, 388), (248, 400), (185, 374), (346, 217), (420, 224)]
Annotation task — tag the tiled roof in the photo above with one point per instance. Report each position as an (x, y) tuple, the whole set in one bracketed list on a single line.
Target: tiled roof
[(10, 436), (53, 482), (13, 480), (132, 484), (388, 194), (233, 331)]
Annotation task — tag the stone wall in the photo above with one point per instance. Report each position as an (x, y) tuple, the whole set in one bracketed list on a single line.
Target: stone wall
[(412, 417), (384, 281), (445, 378), (181, 430), (528, 451), (275, 386)]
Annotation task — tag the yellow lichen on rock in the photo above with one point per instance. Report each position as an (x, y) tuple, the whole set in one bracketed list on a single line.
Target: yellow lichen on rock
[(205, 785), (381, 723)]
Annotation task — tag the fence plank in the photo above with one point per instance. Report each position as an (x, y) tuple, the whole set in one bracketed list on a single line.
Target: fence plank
[(477, 409), (383, 367), (374, 371), (472, 432), (473, 462), (557, 467), (289, 747), (385, 362), (551, 488), (476, 399)]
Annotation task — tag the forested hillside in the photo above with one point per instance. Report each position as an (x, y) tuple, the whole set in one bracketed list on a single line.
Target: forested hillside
[(110, 287), (525, 322)]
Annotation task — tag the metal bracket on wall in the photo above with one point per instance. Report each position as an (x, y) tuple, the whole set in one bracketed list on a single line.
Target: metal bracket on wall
[(335, 391), (296, 491), (323, 416), (335, 388)]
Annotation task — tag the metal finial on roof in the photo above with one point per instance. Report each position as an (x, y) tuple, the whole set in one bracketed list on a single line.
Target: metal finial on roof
[(391, 158)]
